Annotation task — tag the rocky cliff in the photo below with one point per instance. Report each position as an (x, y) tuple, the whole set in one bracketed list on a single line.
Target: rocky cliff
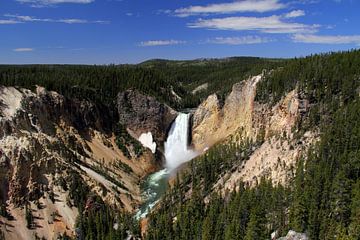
[(142, 114), (213, 123), (273, 128), (46, 140)]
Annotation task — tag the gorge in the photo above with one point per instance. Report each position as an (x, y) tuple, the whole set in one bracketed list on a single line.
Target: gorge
[(93, 158)]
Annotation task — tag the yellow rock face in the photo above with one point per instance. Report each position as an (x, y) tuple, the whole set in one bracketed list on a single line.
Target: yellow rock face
[(242, 115), (213, 123)]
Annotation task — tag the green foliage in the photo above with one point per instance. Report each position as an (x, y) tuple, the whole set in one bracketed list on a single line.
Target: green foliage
[(205, 170), (52, 196), (323, 198), (245, 214), (123, 166), (158, 78), (100, 221), (107, 175), (78, 190), (100, 84), (96, 219), (219, 74), (354, 227), (319, 77), (29, 217), (124, 141), (324, 207), (3, 211)]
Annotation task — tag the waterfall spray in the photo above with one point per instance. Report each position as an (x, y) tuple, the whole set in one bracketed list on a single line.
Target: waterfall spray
[(177, 151)]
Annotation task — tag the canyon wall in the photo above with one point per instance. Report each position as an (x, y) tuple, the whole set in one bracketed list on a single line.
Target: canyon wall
[(47, 139), (272, 127)]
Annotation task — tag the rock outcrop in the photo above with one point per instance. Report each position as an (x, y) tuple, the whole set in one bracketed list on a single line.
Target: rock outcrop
[(205, 122), (213, 123), (242, 114), (292, 235), (142, 114)]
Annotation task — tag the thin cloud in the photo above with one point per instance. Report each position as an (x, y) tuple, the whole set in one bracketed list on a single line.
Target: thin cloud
[(234, 7), (7, 21), (238, 40), (45, 3), (72, 21), (295, 14), (304, 2), (153, 43), (23, 49), (272, 24), (327, 39), (22, 19)]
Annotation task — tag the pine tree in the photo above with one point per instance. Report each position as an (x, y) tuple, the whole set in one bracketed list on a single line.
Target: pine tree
[(341, 198), (354, 227), (28, 216), (256, 226), (3, 211), (298, 210)]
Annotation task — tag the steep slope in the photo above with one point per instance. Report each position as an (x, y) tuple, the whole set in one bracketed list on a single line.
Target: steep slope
[(283, 160), (241, 118), (213, 123), (47, 141)]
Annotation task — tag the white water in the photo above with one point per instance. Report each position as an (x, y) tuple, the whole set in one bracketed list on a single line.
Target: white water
[(177, 152), (154, 187)]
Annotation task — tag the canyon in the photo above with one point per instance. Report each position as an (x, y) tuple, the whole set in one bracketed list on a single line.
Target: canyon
[(46, 138)]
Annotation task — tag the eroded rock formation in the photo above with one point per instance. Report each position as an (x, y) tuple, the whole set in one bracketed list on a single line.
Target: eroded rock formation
[(241, 118), (142, 114), (45, 139)]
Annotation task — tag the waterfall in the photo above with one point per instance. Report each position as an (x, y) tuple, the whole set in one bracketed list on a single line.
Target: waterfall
[(177, 151)]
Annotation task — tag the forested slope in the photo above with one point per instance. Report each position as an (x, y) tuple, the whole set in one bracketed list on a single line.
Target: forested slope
[(215, 75), (322, 197), (157, 78)]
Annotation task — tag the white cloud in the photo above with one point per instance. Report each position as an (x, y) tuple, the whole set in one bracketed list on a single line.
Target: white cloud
[(27, 18), (44, 3), (327, 39), (295, 14), (272, 24), (234, 7), (7, 21), (238, 40), (22, 19), (161, 43), (23, 49)]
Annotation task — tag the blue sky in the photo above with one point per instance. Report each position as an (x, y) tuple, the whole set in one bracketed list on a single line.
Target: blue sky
[(131, 31)]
